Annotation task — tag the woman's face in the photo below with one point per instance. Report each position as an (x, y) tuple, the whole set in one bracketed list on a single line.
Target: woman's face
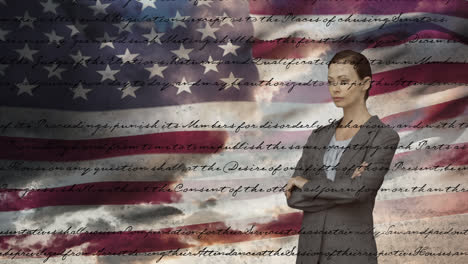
[(345, 86)]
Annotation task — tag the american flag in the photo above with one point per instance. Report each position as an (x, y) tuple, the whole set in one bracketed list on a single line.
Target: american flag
[(108, 107)]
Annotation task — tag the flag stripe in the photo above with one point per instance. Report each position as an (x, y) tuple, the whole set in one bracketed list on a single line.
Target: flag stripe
[(144, 166), (180, 142), (166, 192), (453, 8), (301, 47), (395, 102), (73, 150), (428, 206), (452, 25), (97, 174)]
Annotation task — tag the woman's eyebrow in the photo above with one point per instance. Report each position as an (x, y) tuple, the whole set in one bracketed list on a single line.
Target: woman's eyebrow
[(340, 76)]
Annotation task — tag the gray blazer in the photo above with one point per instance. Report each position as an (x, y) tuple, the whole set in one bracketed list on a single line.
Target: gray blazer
[(337, 224)]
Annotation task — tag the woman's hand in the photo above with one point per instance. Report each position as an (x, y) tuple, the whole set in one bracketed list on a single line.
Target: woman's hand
[(359, 170), (298, 181)]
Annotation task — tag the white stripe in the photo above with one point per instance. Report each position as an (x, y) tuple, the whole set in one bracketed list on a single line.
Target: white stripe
[(398, 184), (433, 136), (384, 242), (395, 178), (319, 30), (148, 216), (403, 53), (225, 112), (414, 52), (59, 178), (413, 97), (95, 170)]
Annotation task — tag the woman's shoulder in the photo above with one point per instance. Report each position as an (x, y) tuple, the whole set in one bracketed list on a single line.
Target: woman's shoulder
[(316, 132), (332, 124), (385, 131)]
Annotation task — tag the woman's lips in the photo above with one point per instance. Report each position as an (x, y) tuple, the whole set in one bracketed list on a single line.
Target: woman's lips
[(337, 98)]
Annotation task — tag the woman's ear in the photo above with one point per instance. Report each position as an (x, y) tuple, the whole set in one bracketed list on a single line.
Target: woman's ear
[(366, 82)]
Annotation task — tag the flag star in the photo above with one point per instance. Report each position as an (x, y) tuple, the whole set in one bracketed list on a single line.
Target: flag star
[(153, 36), (182, 52), (128, 89), (208, 31), (54, 70), (125, 26), (79, 91), (210, 66), (49, 6), (108, 73), (99, 8), (73, 29), (26, 20), (178, 20), (2, 68), (183, 86), (127, 56), (231, 81), (80, 27), (25, 87), (205, 2), (229, 48), (147, 3), (26, 52), (106, 40), (53, 37), (80, 59), (156, 70), (3, 33), (225, 20)]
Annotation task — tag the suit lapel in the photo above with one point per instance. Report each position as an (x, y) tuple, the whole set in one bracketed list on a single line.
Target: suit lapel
[(360, 138)]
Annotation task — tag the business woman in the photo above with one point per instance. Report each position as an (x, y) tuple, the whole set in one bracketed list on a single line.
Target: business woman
[(338, 199)]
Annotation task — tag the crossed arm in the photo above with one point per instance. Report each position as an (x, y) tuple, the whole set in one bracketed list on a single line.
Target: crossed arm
[(327, 193)]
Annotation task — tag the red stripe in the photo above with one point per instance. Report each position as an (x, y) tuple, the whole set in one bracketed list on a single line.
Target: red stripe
[(432, 74), (156, 192), (426, 115), (457, 155), (432, 115), (327, 7), (415, 37), (394, 80), (384, 82), (420, 207), (97, 193), (37, 149), (385, 212), (443, 113), (289, 48)]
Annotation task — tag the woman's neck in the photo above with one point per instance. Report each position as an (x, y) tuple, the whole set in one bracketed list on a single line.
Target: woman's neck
[(357, 114)]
